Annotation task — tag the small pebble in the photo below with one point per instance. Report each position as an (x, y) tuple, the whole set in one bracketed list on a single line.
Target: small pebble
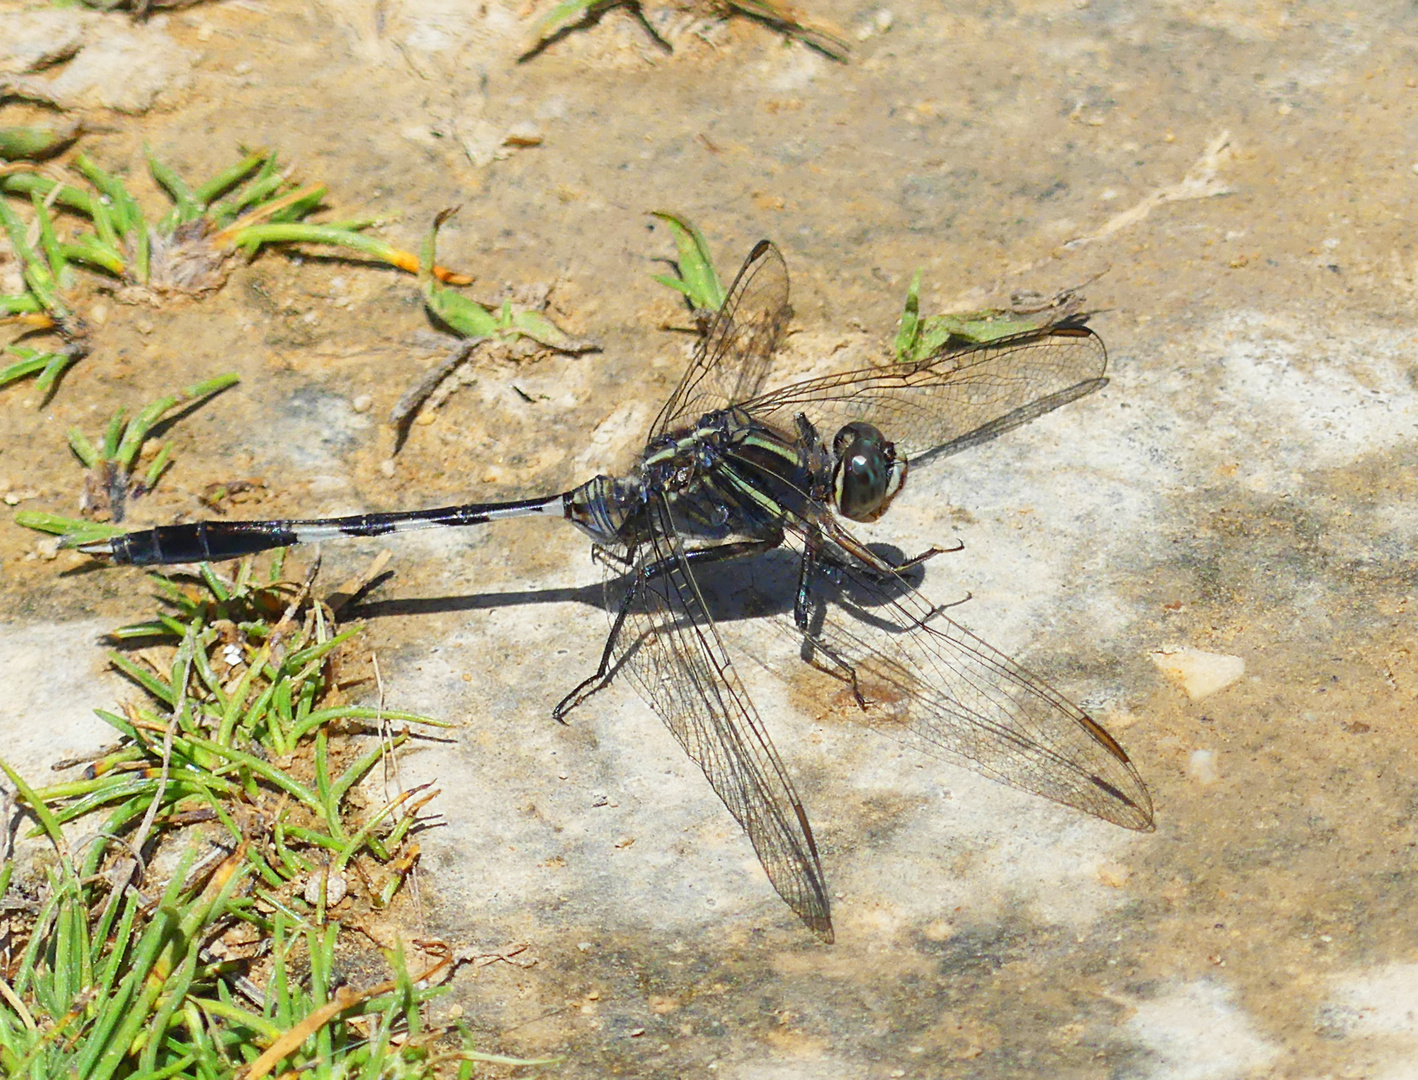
[(1199, 674), (1201, 766), (1113, 875), (523, 133), (335, 888), (880, 22), (363, 403)]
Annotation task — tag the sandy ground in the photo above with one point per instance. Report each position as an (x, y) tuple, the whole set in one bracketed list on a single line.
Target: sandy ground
[(1244, 488)]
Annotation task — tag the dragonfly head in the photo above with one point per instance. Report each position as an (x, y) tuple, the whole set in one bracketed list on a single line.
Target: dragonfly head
[(867, 474)]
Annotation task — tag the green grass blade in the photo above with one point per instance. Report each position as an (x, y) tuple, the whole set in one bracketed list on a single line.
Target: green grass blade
[(153, 684), (48, 242), (127, 217), (263, 769), (89, 249), (187, 208), (33, 361), (75, 531), (114, 434), (102, 218), (160, 462), (40, 811), (262, 187), (698, 278), (58, 363), (25, 183), (251, 237), (35, 142), (229, 177), (142, 264), (83, 449), (910, 329), (22, 304)]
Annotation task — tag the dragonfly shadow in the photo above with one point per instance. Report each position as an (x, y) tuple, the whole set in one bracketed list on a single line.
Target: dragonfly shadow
[(767, 585), (591, 595), (735, 589)]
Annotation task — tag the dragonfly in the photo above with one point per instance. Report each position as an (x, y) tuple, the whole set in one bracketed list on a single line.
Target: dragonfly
[(731, 472)]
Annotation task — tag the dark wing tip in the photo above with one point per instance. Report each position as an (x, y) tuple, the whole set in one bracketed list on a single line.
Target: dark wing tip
[(820, 925), (1130, 811)]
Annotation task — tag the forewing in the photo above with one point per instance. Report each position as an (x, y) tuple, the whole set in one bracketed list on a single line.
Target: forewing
[(955, 398), (672, 650), (733, 358), (932, 684)]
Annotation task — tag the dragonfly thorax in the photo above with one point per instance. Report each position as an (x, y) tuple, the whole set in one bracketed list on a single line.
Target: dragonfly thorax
[(679, 459), (866, 474)]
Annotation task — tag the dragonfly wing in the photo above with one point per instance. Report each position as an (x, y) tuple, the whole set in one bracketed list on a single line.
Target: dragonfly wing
[(955, 398), (732, 360), (672, 651), (932, 684)]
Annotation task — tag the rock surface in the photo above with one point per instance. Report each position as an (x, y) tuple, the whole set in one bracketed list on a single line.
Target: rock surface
[(1241, 176)]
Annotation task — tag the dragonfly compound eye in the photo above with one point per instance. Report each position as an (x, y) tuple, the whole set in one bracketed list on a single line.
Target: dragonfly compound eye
[(867, 474)]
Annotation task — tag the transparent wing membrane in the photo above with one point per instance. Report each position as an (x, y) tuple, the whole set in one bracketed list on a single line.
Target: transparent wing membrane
[(672, 651), (732, 361), (931, 684), (755, 477), (953, 399)]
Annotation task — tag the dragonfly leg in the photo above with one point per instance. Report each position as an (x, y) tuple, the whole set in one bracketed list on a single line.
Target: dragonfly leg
[(882, 570), (939, 609), (802, 616), (930, 553), (608, 556), (719, 553)]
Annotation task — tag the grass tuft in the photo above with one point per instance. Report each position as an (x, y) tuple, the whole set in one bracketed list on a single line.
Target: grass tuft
[(197, 930)]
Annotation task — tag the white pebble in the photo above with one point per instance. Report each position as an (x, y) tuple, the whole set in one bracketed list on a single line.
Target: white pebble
[(335, 888), (1199, 674), (1201, 766)]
